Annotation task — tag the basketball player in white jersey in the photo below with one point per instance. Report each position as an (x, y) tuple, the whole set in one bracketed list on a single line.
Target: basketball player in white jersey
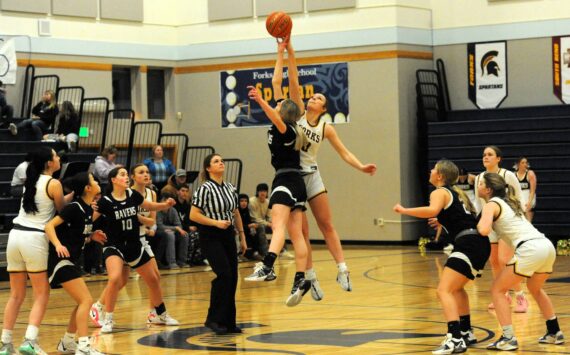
[(527, 180), (501, 253), (316, 131), (27, 250), (533, 259)]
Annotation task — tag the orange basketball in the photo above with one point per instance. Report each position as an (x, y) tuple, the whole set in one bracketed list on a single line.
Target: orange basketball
[(279, 24)]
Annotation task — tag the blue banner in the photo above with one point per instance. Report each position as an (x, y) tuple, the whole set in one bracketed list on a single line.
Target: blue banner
[(330, 80)]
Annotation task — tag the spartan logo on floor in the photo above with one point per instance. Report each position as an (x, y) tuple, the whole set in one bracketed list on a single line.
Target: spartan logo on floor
[(201, 338), (488, 65)]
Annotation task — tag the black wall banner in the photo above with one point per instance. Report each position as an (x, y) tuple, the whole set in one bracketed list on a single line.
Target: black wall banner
[(487, 73), (561, 68)]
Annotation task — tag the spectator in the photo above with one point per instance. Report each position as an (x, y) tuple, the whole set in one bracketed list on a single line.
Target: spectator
[(68, 127), (43, 117), (19, 178), (160, 168), (174, 182), (174, 239), (183, 207), (105, 163), (249, 229), (465, 182), (261, 215), (6, 111)]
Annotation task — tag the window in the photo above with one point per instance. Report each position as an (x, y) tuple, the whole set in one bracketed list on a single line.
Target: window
[(155, 93), (122, 89)]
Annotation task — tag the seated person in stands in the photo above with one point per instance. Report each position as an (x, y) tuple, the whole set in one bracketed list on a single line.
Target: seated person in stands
[(6, 111), (261, 215), (160, 168), (67, 128), (19, 178), (249, 229), (43, 117), (105, 163), (174, 182), (174, 239), (183, 207)]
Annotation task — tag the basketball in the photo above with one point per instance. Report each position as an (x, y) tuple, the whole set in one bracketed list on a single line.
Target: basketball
[(279, 24)]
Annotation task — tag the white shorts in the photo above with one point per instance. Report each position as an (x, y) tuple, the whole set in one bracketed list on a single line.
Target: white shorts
[(27, 251), (524, 200), (314, 185), (534, 256)]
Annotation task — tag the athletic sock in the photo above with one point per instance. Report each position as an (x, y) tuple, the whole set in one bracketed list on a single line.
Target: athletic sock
[(69, 337), (269, 260), (508, 331), (299, 275), (108, 315), (311, 274), (83, 343), (465, 323), (342, 267), (454, 329), (552, 325), (160, 309), (32, 332), (519, 293), (6, 336)]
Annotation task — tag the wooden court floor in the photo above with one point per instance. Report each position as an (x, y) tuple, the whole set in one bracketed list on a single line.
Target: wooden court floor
[(392, 309)]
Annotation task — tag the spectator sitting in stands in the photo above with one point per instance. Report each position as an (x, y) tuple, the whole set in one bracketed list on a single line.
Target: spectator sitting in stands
[(174, 182), (160, 168), (249, 229), (19, 178), (174, 239), (6, 111), (183, 207), (67, 128), (105, 163), (43, 117), (261, 215)]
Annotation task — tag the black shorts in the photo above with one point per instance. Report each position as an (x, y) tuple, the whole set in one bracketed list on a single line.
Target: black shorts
[(288, 189), (470, 253), (133, 253), (64, 270)]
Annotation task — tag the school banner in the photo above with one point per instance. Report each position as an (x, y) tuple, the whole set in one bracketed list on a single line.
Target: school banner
[(561, 68), (487, 73), (8, 62), (330, 80)]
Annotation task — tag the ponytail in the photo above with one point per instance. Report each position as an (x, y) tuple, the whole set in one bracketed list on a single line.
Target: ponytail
[(35, 168), (465, 200), (499, 188), (512, 200)]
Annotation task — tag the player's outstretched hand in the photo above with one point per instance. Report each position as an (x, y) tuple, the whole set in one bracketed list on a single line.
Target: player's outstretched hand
[(398, 208), (369, 169), (254, 94)]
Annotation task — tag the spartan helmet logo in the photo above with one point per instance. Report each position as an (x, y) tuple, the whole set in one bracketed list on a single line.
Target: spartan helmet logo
[(489, 65)]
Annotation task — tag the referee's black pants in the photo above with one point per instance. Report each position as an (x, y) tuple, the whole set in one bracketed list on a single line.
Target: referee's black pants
[(219, 247)]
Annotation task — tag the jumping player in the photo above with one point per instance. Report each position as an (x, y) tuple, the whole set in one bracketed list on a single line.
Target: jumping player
[(316, 131), (288, 194)]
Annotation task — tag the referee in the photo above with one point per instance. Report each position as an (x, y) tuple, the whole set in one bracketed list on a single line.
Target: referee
[(215, 209)]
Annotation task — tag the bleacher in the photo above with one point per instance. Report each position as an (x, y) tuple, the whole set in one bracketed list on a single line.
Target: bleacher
[(133, 139), (542, 134)]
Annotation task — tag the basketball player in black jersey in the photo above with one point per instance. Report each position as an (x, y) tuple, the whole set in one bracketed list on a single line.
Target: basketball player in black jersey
[(67, 233), (288, 196), (120, 207), (471, 251)]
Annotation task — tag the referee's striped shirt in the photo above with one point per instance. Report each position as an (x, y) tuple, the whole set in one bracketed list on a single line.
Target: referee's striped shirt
[(216, 201)]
